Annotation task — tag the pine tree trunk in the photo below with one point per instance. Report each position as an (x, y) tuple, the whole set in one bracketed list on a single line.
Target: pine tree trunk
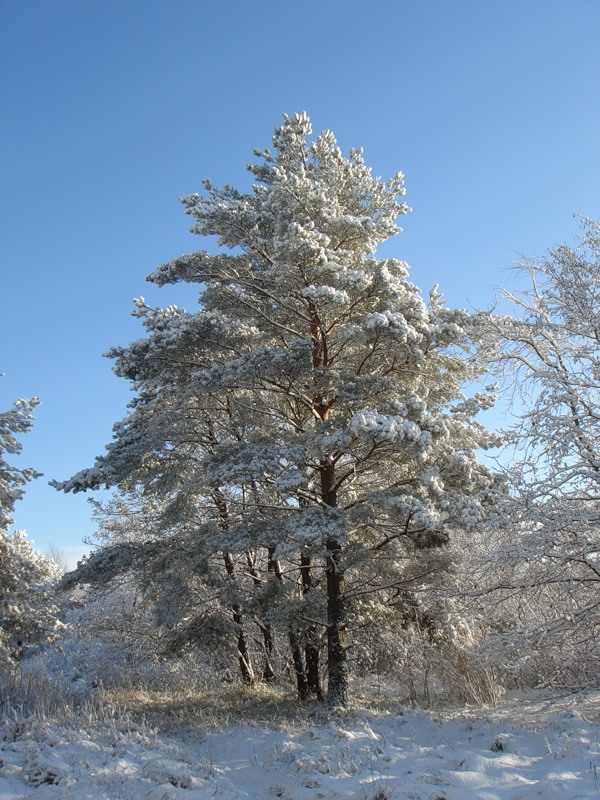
[(302, 681), (311, 655), (337, 686), (244, 659), (311, 652), (244, 654), (268, 673)]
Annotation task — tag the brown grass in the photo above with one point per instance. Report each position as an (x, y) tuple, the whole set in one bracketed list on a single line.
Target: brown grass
[(265, 706)]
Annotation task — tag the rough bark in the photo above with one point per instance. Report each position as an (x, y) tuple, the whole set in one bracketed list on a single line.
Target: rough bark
[(337, 686), (244, 659), (268, 673), (302, 683), (311, 652)]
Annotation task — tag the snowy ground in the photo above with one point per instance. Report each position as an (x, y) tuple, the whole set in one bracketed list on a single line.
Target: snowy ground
[(403, 755)]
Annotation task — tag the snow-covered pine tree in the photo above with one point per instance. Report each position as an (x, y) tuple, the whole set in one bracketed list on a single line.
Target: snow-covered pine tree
[(312, 409), (27, 614), (28, 611), (19, 419)]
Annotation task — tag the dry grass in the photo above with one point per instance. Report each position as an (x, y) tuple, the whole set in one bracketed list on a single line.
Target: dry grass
[(259, 706), (534, 709), (265, 706), (41, 698)]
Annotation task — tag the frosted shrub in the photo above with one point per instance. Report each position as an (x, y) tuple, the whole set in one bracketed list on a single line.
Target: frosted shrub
[(548, 542), (112, 641), (28, 608)]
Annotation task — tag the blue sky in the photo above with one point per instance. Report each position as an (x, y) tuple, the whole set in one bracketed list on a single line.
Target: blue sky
[(114, 110)]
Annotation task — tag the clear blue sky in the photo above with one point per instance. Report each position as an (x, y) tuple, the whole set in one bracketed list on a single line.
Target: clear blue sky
[(113, 110)]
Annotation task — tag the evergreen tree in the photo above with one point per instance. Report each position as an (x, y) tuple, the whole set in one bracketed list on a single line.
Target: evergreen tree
[(18, 419), (307, 425), (28, 612)]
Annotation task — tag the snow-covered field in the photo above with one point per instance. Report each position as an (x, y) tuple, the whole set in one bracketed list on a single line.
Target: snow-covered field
[(522, 750)]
